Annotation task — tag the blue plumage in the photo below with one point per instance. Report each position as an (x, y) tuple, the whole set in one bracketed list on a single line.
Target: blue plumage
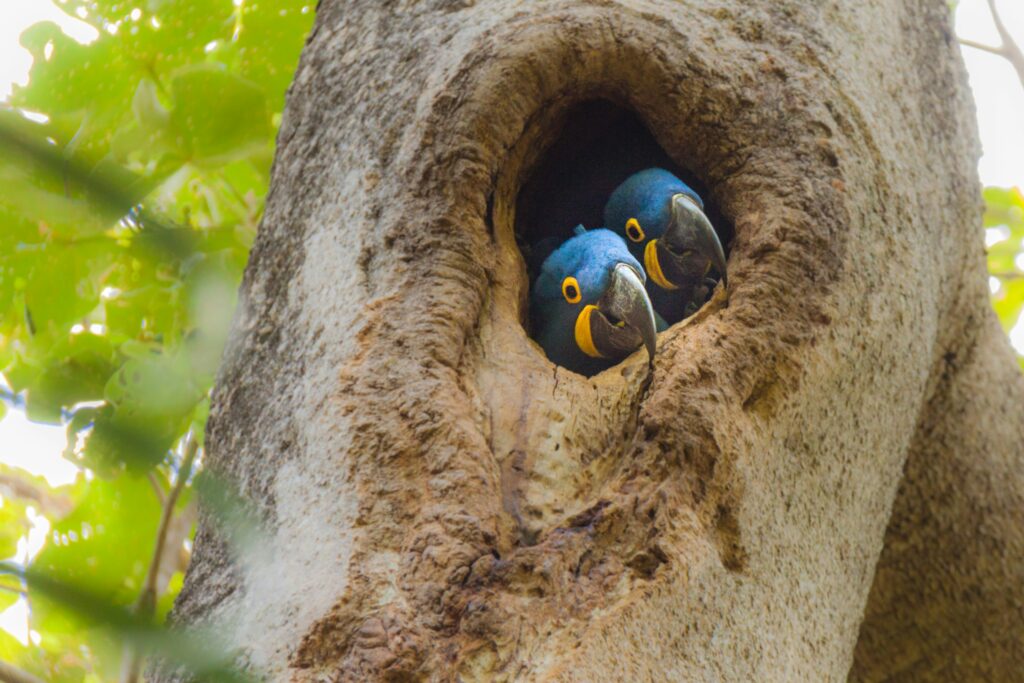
[(582, 273), (661, 219), (644, 196)]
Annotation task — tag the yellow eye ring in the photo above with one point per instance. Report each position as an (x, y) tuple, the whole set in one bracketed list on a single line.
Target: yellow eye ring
[(571, 290), (634, 231)]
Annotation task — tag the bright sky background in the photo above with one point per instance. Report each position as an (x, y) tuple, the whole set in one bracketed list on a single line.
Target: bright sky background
[(997, 92), (1000, 103)]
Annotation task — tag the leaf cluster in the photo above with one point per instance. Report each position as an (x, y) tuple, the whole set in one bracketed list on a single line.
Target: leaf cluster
[(1004, 223), (134, 170)]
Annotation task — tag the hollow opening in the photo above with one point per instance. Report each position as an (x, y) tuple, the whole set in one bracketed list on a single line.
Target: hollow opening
[(599, 145)]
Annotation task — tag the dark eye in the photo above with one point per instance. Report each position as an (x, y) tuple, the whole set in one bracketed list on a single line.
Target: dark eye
[(633, 230), (571, 290)]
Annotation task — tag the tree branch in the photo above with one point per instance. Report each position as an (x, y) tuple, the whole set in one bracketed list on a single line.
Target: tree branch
[(23, 488), (146, 603), (992, 49), (1008, 48), (157, 488), (12, 674), (1004, 35)]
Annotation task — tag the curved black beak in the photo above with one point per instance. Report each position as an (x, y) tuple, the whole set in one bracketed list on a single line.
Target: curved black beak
[(691, 244), (627, 317)]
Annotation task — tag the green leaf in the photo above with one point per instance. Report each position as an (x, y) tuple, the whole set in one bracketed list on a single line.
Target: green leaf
[(10, 649), (64, 285), (112, 625), (102, 546), (166, 602), (156, 385), (1008, 303), (149, 110), (150, 402), (13, 525), (127, 216), (1004, 210), (219, 117), (76, 371), (116, 442)]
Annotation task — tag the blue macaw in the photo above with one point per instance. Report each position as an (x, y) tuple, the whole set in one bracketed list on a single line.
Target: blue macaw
[(662, 220), (589, 305)]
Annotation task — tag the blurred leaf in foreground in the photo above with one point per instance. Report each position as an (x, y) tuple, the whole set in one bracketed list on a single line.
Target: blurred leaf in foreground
[(135, 169)]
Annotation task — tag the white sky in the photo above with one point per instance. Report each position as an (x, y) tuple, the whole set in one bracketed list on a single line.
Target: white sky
[(15, 17), (999, 97)]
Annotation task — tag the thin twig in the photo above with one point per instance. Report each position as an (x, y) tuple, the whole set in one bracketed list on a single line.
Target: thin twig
[(1008, 48), (9, 396), (12, 674), (11, 589), (15, 485), (1013, 52), (993, 49), (147, 600), (1004, 35), (158, 490), (146, 604)]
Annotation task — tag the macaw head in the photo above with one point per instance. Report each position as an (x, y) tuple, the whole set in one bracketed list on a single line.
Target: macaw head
[(589, 305), (662, 220)]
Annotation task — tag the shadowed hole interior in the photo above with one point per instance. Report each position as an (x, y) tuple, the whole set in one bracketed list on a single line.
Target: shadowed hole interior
[(600, 145)]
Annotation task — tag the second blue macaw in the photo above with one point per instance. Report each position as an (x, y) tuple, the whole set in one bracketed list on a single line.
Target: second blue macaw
[(662, 220), (589, 306)]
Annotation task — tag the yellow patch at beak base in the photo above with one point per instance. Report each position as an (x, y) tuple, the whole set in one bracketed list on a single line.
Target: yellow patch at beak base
[(584, 339), (654, 268)]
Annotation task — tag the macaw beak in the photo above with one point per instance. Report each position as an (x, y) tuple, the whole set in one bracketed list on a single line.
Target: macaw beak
[(687, 250), (622, 319)]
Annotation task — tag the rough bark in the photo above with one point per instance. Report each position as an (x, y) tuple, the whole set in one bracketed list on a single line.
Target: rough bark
[(946, 604), (440, 502)]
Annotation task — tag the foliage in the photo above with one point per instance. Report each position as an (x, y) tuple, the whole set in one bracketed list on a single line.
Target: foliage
[(1004, 224), (134, 171)]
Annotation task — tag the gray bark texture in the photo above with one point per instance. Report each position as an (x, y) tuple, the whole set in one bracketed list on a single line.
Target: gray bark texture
[(820, 482)]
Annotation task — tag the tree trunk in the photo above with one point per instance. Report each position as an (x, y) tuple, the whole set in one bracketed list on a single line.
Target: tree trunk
[(440, 502)]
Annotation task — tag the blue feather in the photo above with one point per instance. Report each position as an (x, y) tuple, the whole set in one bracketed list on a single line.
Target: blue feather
[(590, 257), (646, 197)]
